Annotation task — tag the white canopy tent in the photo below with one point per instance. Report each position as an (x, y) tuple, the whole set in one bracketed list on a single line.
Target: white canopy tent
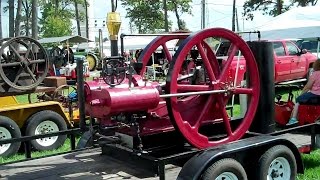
[(136, 42)]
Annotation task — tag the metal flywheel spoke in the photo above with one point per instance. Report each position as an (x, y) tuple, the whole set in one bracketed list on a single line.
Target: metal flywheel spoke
[(15, 52), (206, 62), (227, 65), (160, 41), (166, 52), (225, 117), (208, 105), (28, 50)]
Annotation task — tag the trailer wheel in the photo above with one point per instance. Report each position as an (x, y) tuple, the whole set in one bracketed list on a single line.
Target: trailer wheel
[(9, 129), (277, 163), (228, 169), (46, 122)]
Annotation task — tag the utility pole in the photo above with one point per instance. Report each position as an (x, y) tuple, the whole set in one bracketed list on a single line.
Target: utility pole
[(237, 20), (165, 8), (203, 14), (234, 16)]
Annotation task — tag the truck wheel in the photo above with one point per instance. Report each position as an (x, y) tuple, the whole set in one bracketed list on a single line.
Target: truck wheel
[(225, 169), (277, 163), (92, 62), (9, 129), (46, 122)]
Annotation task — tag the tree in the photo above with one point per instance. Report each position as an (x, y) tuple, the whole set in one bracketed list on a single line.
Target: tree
[(25, 17), (87, 18), (56, 27), (11, 18), (77, 17), (34, 8), (56, 19), (0, 21), (150, 21), (179, 7), (18, 19), (272, 7)]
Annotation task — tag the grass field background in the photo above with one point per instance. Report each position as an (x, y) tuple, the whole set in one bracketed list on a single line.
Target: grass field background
[(311, 161)]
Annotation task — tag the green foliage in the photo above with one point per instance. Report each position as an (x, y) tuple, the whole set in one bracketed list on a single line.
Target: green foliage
[(55, 26), (179, 7), (56, 17), (272, 7), (146, 16), (183, 6)]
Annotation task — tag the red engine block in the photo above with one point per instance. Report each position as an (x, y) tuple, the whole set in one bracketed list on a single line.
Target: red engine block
[(104, 102)]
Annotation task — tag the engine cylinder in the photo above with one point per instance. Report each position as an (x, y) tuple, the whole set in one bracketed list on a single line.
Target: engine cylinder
[(119, 99)]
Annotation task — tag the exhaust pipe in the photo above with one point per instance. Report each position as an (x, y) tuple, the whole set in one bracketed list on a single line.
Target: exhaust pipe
[(80, 91)]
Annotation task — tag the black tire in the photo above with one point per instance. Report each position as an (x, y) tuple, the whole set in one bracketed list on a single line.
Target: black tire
[(275, 155), (51, 122), (225, 167), (7, 125)]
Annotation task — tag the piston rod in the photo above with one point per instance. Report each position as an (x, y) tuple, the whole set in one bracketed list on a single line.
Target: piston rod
[(193, 93)]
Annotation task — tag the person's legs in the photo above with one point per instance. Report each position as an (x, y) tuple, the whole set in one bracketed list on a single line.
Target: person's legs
[(303, 98)]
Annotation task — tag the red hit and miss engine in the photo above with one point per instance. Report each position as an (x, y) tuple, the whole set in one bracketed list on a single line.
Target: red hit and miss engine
[(190, 103)]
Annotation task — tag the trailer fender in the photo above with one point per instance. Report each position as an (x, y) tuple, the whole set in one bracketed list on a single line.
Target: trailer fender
[(194, 168)]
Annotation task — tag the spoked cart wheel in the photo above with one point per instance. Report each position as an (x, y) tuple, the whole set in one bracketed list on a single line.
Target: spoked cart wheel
[(68, 55), (57, 57), (200, 114), (66, 94), (26, 65)]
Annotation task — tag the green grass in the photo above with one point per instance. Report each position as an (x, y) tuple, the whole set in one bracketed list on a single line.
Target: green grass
[(23, 98), (311, 165), (20, 156)]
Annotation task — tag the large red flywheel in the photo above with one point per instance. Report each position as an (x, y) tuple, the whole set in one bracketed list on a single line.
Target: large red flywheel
[(195, 116), (158, 42)]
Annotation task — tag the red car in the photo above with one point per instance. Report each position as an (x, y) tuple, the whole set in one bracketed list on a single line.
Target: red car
[(290, 62)]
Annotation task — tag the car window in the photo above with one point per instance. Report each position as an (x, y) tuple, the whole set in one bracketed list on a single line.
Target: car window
[(279, 49), (292, 49), (310, 45)]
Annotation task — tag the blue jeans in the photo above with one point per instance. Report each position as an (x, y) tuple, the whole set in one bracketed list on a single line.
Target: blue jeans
[(305, 97)]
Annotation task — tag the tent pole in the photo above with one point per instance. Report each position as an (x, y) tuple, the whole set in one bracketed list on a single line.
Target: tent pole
[(318, 47)]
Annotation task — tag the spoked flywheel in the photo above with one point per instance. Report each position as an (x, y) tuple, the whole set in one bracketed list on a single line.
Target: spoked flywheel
[(200, 114), (158, 42), (26, 63)]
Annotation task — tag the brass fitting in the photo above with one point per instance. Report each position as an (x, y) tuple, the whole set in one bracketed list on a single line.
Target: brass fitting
[(113, 24)]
